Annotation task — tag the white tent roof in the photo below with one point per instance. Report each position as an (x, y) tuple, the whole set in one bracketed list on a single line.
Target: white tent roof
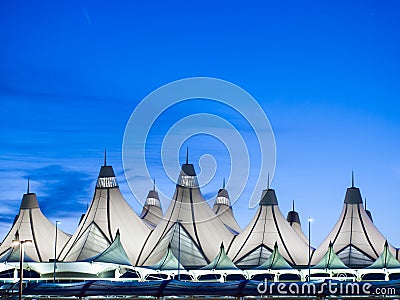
[(223, 209), (256, 242), (294, 220), (152, 212), (32, 225), (188, 224), (108, 213), (355, 239)]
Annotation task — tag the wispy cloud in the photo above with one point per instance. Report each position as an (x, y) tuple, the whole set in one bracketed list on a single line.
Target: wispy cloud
[(87, 17), (62, 190)]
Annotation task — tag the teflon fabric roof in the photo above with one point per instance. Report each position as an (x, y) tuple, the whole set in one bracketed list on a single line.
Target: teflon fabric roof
[(256, 242), (385, 260), (32, 225), (355, 239), (108, 213), (330, 260), (221, 261), (114, 254), (168, 262), (275, 262), (190, 215)]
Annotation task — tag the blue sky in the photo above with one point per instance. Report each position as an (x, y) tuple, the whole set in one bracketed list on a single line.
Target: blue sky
[(326, 74)]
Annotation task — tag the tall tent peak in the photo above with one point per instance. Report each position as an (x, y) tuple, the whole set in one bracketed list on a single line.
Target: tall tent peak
[(293, 205), (353, 196), (187, 177), (105, 157), (187, 155), (28, 187), (268, 197), (352, 179), (29, 201), (106, 178), (223, 183)]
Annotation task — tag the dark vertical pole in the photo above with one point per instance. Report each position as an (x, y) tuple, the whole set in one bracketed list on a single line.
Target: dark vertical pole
[(179, 250), (309, 248), (55, 255), (21, 270)]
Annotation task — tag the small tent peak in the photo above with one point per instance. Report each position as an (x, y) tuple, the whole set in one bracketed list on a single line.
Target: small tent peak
[(293, 217), (222, 246), (386, 243), (153, 199), (276, 245), (223, 197)]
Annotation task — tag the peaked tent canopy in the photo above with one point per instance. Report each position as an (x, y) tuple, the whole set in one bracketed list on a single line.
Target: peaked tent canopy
[(275, 261), (255, 243), (114, 254), (188, 224), (294, 220), (32, 225), (355, 239), (385, 260), (168, 262), (221, 261), (330, 260), (12, 255), (223, 209), (152, 212), (107, 213)]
